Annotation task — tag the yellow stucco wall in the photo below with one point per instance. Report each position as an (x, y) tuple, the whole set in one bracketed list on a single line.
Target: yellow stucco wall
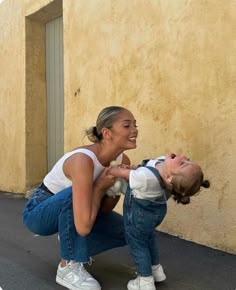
[(12, 92), (173, 63)]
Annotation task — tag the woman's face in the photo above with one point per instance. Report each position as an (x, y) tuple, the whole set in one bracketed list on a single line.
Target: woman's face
[(124, 131)]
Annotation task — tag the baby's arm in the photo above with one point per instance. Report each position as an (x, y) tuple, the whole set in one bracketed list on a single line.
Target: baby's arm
[(120, 172)]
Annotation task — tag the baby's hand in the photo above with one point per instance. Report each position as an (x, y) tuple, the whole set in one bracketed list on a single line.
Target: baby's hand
[(128, 166)]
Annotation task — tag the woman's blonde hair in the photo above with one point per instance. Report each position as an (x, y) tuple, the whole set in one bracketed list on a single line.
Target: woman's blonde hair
[(105, 119)]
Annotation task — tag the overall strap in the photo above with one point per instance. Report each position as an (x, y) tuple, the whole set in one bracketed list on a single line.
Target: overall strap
[(153, 169), (157, 174), (144, 162)]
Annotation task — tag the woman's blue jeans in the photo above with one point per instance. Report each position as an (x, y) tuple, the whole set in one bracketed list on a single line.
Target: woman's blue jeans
[(46, 214), (141, 217)]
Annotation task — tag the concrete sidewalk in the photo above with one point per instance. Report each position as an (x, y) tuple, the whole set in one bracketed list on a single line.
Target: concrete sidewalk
[(29, 262)]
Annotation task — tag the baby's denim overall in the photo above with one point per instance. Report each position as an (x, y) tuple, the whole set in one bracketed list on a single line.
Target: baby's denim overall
[(141, 217)]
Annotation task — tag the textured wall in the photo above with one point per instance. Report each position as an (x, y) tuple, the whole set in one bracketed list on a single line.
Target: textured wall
[(12, 91), (173, 63), (22, 92)]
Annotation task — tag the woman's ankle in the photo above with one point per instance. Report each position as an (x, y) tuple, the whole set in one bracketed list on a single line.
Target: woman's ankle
[(63, 262)]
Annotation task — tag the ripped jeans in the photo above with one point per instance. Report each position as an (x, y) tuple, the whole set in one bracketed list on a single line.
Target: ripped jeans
[(47, 214)]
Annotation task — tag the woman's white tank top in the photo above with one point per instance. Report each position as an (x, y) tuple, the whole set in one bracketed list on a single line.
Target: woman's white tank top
[(56, 180)]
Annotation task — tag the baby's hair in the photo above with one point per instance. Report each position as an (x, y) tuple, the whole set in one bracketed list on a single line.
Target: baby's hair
[(105, 119), (185, 197)]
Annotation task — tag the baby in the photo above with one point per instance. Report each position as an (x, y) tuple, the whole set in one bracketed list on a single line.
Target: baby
[(149, 187)]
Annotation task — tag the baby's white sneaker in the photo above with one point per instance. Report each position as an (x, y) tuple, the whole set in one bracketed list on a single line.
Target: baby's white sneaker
[(158, 273), (142, 283)]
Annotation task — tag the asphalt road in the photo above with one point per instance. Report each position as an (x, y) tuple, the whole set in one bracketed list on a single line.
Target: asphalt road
[(29, 262)]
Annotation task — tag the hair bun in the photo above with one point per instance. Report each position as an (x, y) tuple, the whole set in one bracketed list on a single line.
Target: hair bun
[(205, 183), (95, 131), (184, 199), (180, 198)]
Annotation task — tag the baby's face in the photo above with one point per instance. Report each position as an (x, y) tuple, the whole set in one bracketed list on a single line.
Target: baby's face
[(177, 162), (182, 166)]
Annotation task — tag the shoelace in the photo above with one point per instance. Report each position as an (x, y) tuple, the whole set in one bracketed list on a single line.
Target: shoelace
[(91, 260), (78, 268)]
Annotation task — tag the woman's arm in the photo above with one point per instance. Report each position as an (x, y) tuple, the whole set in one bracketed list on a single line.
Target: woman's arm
[(108, 202), (87, 195)]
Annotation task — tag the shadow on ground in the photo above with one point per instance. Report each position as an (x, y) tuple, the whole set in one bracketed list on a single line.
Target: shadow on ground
[(29, 262)]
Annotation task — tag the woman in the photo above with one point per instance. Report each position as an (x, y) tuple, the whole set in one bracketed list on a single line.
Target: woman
[(71, 198)]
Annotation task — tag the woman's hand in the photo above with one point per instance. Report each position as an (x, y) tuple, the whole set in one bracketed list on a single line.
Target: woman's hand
[(105, 180), (108, 203)]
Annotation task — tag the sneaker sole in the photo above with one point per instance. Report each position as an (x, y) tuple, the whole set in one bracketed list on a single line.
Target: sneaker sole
[(132, 288), (71, 287), (160, 279)]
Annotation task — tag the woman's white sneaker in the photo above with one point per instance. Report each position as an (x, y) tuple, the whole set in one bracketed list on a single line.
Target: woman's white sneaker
[(158, 273), (75, 277), (142, 283)]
